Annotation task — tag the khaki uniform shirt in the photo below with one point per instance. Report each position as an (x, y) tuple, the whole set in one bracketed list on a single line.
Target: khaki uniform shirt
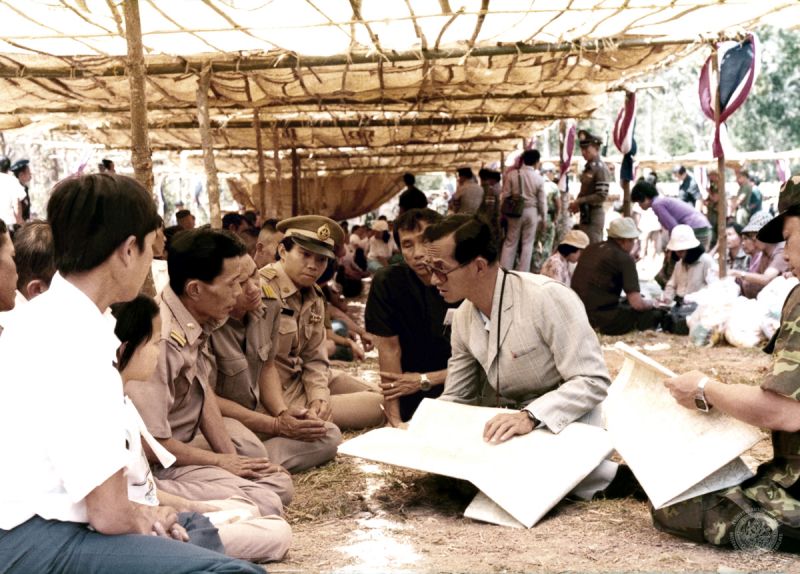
[(240, 350), (595, 181), (171, 402), (301, 357)]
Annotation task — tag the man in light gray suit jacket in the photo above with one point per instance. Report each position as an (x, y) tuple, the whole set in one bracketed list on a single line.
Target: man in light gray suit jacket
[(518, 340)]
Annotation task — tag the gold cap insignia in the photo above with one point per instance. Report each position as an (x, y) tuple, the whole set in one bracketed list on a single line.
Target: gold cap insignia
[(324, 232)]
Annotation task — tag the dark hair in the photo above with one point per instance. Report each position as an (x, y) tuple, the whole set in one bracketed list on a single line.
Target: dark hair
[(566, 250), (134, 326), (531, 156), (5, 164), (681, 170), (385, 236), (271, 224), (3, 231), (736, 227), (92, 215), (105, 164), (465, 172), (643, 190), (200, 254), (231, 219), (409, 179), (33, 243), (181, 213), (411, 219), (251, 217), (493, 175), (473, 236), (745, 173), (355, 228), (693, 254)]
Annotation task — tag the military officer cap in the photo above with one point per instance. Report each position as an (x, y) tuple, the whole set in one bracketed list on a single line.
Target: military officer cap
[(788, 205), (587, 138), (315, 233)]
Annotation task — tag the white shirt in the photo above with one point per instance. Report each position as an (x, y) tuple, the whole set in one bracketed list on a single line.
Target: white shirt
[(379, 248), (5, 316), (62, 429), (141, 485), (160, 274), (11, 192)]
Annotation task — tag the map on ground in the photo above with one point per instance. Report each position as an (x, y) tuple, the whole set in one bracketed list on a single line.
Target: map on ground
[(525, 476), (675, 453)]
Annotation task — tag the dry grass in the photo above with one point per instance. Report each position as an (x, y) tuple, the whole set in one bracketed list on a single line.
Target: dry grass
[(335, 490)]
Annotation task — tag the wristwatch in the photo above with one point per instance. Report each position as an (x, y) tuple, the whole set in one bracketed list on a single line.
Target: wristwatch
[(424, 382), (700, 396), (532, 417)]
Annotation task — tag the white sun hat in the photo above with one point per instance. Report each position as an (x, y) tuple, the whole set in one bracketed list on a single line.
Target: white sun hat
[(682, 238)]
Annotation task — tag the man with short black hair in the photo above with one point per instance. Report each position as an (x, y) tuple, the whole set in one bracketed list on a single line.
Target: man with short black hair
[(688, 189), (35, 258), (412, 197), (63, 423), (407, 316), (469, 194), (234, 222), (267, 245), (185, 219), (176, 405)]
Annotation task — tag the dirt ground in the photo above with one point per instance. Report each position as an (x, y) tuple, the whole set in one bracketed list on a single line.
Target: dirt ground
[(355, 516)]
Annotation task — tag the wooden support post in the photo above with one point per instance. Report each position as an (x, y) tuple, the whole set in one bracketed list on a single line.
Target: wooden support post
[(277, 191), (722, 209), (295, 183), (141, 157), (564, 216), (262, 177), (212, 182), (626, 197)]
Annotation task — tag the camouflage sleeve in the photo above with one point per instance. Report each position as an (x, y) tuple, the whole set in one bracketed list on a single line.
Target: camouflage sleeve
[(785, 376)]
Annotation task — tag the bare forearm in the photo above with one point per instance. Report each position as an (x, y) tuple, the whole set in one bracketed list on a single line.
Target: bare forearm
[(110, 512), (760, 278), (389, 355), (255, 421), (754, 405)]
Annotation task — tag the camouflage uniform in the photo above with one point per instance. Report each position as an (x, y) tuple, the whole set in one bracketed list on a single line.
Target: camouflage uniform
[(595, 181), (773, 492), (546, 237)]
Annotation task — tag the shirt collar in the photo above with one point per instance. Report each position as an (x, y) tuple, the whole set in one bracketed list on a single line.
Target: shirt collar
[(285, 284), (185, 320)]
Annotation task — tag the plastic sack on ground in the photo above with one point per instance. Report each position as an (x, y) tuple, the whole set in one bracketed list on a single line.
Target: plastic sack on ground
[(771, 298), (714, 305), (743, 328)]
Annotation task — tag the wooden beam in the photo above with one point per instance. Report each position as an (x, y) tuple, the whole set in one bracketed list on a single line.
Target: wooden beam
[(141, 156), (290, 60), (206, 139), (296, 175), (722, 203), (262, 177)]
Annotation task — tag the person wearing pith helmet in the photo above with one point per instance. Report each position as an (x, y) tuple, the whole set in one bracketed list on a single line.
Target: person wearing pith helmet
[(595, 181), (309, 386), (763, 512)]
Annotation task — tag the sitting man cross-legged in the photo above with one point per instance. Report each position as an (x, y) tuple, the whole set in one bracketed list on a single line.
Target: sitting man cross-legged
[(519, 340), (407, 316), (248, 386), (308, 244), (64, 503), (176, 403)]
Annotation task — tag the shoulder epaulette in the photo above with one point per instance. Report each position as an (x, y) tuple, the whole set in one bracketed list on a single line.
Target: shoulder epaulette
[(177, 337), (268, 273), (268, 291), (319, 290)]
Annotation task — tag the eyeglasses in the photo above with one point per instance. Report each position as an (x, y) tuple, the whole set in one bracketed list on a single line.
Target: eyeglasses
[(440, 274)]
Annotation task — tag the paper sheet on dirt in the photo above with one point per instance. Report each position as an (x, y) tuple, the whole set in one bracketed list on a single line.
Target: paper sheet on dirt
[(675, 453), (525, 476)]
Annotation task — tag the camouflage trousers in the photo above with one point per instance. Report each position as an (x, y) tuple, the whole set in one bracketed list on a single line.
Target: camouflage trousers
[(727, 518), (543, 247)]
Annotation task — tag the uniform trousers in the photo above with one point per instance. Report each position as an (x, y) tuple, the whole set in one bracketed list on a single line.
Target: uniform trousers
[(52, 546), (355, 404), (199, 482), (255, 538), (597, 221), (293, 455), (520, 229)]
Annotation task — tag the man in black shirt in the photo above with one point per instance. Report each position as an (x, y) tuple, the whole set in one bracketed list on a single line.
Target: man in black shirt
[(604, 271), (412, 197), (407, 315)]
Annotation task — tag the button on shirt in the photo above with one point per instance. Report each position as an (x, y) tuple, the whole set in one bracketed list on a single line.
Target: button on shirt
[(171, 402), (240, 350), (62, 429)]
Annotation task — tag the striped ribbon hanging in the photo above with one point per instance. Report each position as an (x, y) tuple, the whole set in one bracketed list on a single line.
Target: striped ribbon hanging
[(623, 135), (738, 70), (567, 146)]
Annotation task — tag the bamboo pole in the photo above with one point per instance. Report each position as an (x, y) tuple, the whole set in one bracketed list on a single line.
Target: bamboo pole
[(564, 216), (626, 197), (722, 209), (262, 177), (141, 156), (206, 139), (295, 183), (277, 193), (290, 60)]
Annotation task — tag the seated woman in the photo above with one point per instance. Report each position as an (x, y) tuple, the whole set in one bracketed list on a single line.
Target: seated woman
[(380, 246), (693, 267), (737, 259), (569, 251), (242, 532), (766, 260)]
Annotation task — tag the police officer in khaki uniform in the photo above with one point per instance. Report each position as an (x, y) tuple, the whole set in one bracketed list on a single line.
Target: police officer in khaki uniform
[(176, 404), (595, 181), (308, 246), (248, 385)]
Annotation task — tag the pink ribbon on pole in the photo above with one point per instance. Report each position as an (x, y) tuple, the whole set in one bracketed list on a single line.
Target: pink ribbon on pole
[(567, 145)]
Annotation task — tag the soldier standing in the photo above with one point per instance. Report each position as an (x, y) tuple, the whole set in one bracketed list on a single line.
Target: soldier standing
[(595, 180)]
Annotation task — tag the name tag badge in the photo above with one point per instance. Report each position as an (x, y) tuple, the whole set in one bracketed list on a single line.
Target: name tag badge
[(448, 318)]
